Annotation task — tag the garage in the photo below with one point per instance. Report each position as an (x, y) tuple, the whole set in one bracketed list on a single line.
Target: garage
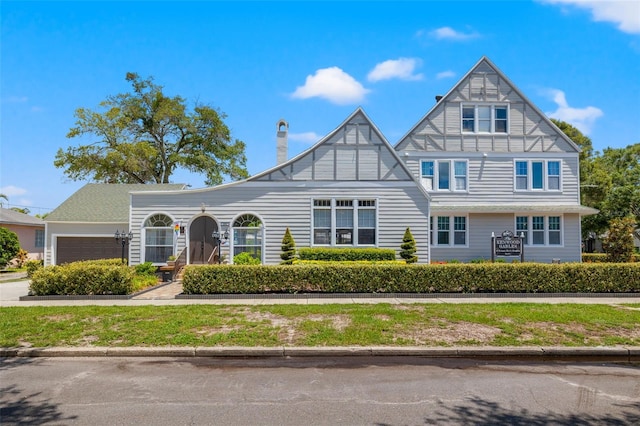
[(71, 249)]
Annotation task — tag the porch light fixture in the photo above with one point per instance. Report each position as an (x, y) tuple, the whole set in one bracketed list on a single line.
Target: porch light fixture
[(221, 235), (124, 238)]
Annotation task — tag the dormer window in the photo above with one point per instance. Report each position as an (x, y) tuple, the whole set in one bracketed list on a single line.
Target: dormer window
[(484, 118)]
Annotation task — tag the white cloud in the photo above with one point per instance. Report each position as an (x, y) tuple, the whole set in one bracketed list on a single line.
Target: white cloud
[(12, 191), (305, 137), (15, 99), (582, 118), (448, 33), (625, 14), (401, 68), (445, 74), (331, 84)]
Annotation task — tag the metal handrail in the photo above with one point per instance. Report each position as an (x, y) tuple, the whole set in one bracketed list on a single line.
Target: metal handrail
[(213, 253)]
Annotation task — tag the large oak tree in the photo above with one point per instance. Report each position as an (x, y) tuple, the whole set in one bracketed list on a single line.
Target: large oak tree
[(144, 136)]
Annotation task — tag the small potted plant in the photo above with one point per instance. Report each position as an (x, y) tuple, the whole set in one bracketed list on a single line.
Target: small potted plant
[(171, 261)]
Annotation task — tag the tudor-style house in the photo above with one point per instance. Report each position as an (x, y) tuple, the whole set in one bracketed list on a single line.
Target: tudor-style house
[(484, 160), (492, 161)]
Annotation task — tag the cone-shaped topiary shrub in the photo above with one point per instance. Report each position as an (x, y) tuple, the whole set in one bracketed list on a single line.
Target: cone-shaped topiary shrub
[(408, 247), (288, 247)]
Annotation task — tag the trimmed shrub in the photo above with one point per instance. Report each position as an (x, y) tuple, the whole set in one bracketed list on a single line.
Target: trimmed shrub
[(451, 278), (83, 278), (245, 258), (408, 247), (602, 258), (346, 254), (32, 266), (146, 268), (288, 247)]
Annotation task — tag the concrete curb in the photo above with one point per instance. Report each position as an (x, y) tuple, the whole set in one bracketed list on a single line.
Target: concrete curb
[(619, 354)]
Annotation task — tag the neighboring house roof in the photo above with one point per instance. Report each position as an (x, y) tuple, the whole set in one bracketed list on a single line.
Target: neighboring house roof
[(102, 202), (12, 217)]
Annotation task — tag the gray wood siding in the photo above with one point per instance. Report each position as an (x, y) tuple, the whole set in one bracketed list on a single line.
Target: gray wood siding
[(441, 129), (480, 227), (282, 205), (355, 151), (491, 180)]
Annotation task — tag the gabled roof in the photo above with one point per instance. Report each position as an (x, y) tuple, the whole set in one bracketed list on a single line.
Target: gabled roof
[(102, 202), (486, 62), (358, 115), (12, 217)]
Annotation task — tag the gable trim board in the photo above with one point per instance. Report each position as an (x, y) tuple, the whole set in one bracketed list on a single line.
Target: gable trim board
[(484, 61), (354, 168)]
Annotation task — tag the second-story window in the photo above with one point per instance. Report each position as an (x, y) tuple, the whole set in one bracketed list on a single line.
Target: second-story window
[(485, 118), (444, 175), (537, 175)]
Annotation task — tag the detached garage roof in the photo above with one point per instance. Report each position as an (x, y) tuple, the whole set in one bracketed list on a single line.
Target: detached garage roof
[(103, 202)]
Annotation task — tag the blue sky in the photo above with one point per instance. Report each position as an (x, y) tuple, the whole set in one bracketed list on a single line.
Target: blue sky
[(311, 63)]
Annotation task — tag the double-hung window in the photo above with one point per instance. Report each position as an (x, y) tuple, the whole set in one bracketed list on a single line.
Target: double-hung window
[(449, 230), (444, 175), (485, 118), (537, 175), (39, 238), (344, 222), (540, 230)]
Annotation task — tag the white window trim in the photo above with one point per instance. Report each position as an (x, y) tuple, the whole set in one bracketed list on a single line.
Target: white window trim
[(233, 228), (545, 175), (143, 236), (529, 242), (354, 237), (433, 234), (452, 175), (493, 106)]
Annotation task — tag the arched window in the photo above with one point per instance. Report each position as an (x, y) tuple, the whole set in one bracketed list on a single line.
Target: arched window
[(158, 241), (248, 236)]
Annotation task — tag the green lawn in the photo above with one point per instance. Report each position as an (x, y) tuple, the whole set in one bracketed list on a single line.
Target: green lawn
[(512, 324)]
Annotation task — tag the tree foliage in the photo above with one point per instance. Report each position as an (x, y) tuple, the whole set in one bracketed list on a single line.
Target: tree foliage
[(143, 136), (618, 242), (408, 247), (609, 181), (288, 248), (9, 246)]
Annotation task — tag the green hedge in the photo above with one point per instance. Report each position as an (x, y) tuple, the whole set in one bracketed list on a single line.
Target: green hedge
[(346, 254), (456, 278), (103, 277), (602, 258)]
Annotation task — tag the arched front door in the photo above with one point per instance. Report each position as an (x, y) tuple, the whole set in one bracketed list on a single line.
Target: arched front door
[(201, 241)]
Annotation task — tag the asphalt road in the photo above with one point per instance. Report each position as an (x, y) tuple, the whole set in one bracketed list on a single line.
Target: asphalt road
[(315, 391)]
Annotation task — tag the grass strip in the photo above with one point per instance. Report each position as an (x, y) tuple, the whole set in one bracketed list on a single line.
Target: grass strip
[(503, 324)]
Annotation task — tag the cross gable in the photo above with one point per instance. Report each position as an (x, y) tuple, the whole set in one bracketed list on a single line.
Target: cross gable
[(355, 151), (485, 96)]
